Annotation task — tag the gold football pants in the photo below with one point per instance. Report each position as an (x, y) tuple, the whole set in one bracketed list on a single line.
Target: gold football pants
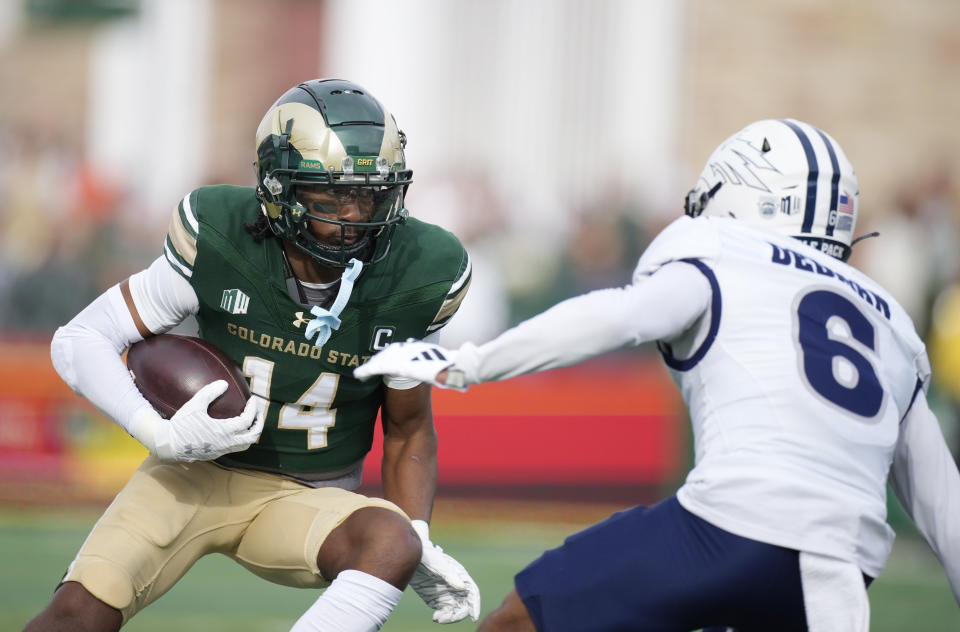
[(170, 514)]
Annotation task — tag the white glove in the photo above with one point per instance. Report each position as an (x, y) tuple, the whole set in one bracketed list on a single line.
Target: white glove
[(417, 360), (443, 583), (191, 434)]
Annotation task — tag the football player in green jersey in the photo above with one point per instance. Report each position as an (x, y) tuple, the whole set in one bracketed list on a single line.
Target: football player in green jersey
[(299, 281)]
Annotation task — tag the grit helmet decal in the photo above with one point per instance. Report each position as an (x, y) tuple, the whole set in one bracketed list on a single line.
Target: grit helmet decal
[(331, 133), (785, 175)]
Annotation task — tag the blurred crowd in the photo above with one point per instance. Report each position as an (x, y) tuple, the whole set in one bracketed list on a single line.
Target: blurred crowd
[(64, 236), (69, 230)]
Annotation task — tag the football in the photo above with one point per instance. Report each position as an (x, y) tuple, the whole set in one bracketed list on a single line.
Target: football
[(169, 369)]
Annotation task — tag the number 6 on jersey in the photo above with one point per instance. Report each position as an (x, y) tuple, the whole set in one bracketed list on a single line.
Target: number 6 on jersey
[(828, 327)]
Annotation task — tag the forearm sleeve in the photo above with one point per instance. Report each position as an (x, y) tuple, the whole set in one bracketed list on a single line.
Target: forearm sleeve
[(927, 483), (86, 352), (658, 307)]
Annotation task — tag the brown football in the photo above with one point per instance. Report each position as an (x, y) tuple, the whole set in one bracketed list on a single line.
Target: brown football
[(169, 369)]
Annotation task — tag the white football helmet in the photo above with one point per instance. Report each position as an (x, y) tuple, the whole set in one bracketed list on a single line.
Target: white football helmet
[(784, 175)]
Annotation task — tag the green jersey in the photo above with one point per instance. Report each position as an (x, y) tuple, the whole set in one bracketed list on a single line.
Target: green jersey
[(319, 418)]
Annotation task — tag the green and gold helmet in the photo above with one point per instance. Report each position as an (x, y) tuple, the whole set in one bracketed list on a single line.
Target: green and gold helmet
[(332, 135)]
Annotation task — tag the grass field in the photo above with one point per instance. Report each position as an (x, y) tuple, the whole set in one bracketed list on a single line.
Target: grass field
[(493, 540)]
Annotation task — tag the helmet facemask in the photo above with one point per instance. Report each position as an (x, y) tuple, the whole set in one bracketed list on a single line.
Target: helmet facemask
[(786, 176), (330, 138)]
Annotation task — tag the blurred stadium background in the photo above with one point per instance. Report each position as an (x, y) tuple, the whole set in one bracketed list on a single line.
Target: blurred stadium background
[(555, 137)]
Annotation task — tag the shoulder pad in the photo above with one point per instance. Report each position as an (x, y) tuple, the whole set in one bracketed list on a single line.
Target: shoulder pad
[(455, 295), (180, 247), (684, 238), (438, 257), (223, 208)]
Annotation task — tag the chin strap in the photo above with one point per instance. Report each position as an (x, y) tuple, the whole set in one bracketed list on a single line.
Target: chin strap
[(862, 237), (328, 320)]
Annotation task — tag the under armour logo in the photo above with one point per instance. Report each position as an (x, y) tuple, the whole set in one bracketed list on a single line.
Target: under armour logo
[(301, 320)]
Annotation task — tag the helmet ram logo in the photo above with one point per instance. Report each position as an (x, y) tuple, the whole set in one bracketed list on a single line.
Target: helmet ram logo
[(335, 123)]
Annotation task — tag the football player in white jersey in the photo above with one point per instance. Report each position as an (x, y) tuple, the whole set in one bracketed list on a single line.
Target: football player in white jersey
[(806, 386)]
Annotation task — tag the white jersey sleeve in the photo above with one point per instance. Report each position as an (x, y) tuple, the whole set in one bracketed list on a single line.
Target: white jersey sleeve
[(927, 483), (659, 306)]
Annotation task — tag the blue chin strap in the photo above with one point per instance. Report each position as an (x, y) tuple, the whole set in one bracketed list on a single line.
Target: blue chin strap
[(328, 320)]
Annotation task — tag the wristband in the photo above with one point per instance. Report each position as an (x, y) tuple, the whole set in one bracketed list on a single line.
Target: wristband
[(143, 427)]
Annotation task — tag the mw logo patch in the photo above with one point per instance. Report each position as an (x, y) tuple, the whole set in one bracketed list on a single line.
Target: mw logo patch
[(234, 301)]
